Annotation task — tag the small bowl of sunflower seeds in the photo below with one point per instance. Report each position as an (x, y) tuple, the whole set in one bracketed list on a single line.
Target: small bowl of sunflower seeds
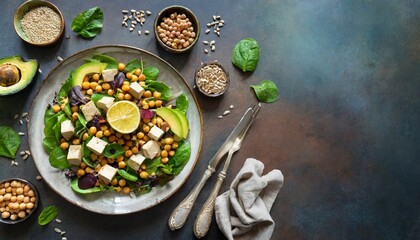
[(39, 23), (212, 79)]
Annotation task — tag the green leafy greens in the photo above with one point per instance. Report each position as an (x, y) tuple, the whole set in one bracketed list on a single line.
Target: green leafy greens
[(9, 142), (246, 54), (88, 23), (47, 215), (266, 91)]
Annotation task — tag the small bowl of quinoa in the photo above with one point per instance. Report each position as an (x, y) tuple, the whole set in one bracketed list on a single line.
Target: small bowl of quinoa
[(176, 29), (39, 23), (212, 79), (18, 200)]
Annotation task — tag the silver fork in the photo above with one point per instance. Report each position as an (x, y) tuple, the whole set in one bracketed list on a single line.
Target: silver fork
[(203, 221)]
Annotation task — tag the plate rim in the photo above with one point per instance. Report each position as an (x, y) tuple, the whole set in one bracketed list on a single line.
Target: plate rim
[(29, 126)]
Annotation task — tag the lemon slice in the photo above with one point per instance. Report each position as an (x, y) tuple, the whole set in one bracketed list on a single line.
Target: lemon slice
[(124, 116)]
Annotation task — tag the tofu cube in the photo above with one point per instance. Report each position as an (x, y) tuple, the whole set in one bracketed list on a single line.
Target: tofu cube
[(96, 145), (106, 174), (105, 103), (136, 90), (135, 161), (150, 149), (74, 156), (89, 110), (109, 74), (155, 133), (67, 129)]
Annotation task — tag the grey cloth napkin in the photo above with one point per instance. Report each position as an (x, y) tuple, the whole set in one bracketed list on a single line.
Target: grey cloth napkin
[(243, 212)]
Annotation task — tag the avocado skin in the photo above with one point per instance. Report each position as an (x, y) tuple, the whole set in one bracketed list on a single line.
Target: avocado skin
[(27, 69)]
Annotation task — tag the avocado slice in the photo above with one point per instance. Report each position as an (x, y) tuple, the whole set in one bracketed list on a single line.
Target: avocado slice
[(86, 69), (16, 74), (184, 122), (174, 121)]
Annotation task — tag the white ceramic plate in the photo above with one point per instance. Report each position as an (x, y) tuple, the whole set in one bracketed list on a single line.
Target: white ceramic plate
[(110, 202)]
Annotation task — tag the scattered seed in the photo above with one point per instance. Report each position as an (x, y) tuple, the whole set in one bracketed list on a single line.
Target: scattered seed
[(207, 31), (28, 152), (139, 32), (39, 70), (20, 122), (38, 177), (21, 134), (226, 112), (67, 37), (25, 157), (133, 11), (124, 11), (231, 107), (131, 29), (22, 153), (57, 230), (146, 32), (206, 51), (24, 114), (58, 220), (60, 59), (62, 233), (205, 42), (212, 42), (16, 116), (148, 13), (220, 117), (63, 238), (213, 48)]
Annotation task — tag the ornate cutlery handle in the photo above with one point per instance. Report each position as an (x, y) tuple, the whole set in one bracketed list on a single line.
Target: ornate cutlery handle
[(204, 218), (181, 212)]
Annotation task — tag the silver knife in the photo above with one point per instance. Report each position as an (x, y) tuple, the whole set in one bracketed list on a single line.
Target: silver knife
[(181, 212)]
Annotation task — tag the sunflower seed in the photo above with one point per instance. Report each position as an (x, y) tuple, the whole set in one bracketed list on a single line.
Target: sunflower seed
[(16, 116), (131, 29), (146, 32), (231, 107), (24, 114), (124, 11), (21, 134), (20, 122), (206, 51), (205, 42), (22, 153), (212, 42), (28, 152), (57, 230), (62, 233), (25, 157), (39, 70), (148, 13), (60, 59), (220, 117), (207, 31), (38, 177), (58, 220), (63, 238), (213, 48), (139, 32), (133, 11), (226, 112)]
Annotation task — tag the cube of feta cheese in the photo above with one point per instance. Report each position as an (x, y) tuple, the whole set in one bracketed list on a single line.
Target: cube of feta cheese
[(150, 149), (67, 129), (89, 110), (136, 90), (155, 133), (74, 156), (106, 174), (96, 145), (105, 103), (135, 161), (109, 74)]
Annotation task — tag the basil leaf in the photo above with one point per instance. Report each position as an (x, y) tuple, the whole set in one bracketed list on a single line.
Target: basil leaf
[(182, 103), (162, 88), (74, 184), (111, 63), (246, 54), (127, 176), (113, 150), (50, 143), (9, 142), (181, 157), (47, 215), (151, 73), (266, 91), (133, 64), (88, 23), (58, 159)]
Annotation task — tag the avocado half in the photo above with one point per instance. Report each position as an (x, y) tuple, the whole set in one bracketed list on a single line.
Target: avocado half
[(16, 74)]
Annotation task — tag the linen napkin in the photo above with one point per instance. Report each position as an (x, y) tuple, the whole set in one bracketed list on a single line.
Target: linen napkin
[(243, 212)]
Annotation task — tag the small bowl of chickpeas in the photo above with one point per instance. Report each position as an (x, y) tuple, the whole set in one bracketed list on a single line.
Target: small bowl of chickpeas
[(18, 200), (176, 29)]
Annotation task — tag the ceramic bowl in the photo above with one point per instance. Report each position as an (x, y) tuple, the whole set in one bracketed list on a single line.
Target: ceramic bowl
[(201, 88), (166, 12), (24, 9), (36, 195)]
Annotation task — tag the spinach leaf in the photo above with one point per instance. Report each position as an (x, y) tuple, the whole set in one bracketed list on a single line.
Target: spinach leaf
[(58, 159), (127, 176), (74, 184), (133, 64), (88, 23), (151, 73), (266, 91), (49, 113), (57, 126), (47, 215), (86, 153), (50, 143), (65, 88), (113, 150), (182, 103), (160, 87), (181, 157), (9, 142), (110, 61), (152, 165), (96, 97), (246, 54), (167, 169)]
